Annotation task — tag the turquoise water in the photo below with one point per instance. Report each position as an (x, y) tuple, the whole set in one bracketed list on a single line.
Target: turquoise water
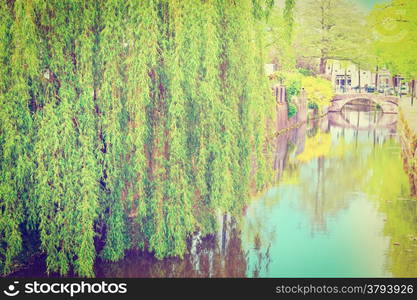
[(348, 243), (341, 207)]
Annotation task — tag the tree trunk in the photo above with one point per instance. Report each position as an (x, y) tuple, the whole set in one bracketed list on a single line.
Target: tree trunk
[(413, 90), (331, 76), (323, 62), (359, 79), (399, 86), (376, 78), (345, 85)]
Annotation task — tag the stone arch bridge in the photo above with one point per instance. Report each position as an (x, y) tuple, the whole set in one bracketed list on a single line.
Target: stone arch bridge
[(388, 104)]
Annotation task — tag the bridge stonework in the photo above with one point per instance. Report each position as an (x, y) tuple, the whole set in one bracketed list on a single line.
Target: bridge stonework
[(388, 104)]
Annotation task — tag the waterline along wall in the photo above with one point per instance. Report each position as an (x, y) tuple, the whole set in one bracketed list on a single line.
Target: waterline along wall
[(127, 124), (409, 152)]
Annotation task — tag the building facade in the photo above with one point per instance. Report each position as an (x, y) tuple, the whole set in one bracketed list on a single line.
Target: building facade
[(347, 77)]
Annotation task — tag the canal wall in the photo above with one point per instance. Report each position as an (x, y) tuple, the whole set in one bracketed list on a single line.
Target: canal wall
[(408, 134), (283, 121), (304, 114)]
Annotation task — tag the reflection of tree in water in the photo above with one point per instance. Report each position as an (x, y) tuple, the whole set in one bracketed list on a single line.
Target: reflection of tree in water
[(209, 257), (313, 128), (285, 145), (282, 150), (317, 147), (388, 186), (325, 189), (323, 154), (263, 259), (258, 238)]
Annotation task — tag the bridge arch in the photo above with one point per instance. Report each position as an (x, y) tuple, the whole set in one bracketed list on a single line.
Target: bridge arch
[(388, 104)]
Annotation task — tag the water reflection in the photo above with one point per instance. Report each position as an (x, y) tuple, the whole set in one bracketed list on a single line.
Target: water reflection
[(212, 256), (342, 206)]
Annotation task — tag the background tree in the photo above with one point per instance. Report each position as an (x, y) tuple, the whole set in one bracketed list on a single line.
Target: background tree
[(328, 29), (394, 27)]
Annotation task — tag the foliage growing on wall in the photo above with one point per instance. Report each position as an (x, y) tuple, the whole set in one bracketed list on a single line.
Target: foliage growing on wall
[(319, 91)]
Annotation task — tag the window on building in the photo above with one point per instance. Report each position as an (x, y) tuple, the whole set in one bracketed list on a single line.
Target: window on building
[(342, 80)]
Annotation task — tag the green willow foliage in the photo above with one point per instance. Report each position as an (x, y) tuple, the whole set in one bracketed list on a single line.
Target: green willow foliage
[(128, 124)]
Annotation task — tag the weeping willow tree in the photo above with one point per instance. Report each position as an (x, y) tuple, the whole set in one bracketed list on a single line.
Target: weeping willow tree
[(128, 124), (19, 66)]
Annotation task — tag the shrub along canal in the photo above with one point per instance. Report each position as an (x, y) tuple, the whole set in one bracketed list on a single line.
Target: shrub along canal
[(340, 208)]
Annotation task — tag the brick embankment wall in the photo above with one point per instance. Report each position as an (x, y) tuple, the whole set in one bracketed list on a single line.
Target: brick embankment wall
[(409, 151), (282, 120)]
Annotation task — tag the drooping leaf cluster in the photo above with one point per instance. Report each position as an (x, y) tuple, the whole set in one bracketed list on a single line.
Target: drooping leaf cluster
[(127, 124)]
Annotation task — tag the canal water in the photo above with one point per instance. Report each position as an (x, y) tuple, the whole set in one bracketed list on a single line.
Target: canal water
[(340, 208)]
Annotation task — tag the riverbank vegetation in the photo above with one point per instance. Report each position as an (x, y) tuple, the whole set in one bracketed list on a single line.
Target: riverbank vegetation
[(127, 124), (318, 90)]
